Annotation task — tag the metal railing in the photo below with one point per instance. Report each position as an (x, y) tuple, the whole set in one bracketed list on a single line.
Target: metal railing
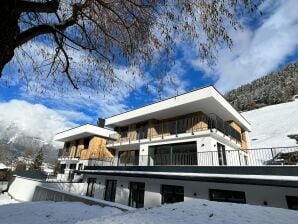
[(251, 157), (189, 124)]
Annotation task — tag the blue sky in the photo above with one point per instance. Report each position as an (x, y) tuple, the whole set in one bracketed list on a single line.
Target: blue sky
[(265, 44)]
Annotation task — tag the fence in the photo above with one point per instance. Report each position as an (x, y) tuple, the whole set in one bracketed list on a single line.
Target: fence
[(250, 157)]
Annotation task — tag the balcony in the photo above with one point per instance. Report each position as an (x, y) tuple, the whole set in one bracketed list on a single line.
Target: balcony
[(190, 124), (282, 156), (67, 154)]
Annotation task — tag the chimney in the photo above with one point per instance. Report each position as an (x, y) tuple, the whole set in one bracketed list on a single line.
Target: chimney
[(100, 122)]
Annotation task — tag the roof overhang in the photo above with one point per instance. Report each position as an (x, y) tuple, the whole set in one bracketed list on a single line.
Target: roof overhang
[(83, 131), (207, 100)]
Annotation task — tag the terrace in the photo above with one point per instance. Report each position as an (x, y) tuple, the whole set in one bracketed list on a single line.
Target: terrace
[(174, 156)]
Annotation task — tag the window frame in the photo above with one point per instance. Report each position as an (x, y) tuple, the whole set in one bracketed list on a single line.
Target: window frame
[(231, 192)]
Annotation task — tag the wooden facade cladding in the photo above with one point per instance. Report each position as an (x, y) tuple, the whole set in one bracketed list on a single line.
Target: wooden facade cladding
[(96, 149), (189, 123)]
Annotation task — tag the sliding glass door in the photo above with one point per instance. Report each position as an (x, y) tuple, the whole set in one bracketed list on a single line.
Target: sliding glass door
[(173, 154)]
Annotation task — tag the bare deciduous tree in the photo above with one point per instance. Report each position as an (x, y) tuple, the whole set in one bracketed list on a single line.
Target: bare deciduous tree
[(107, 33)]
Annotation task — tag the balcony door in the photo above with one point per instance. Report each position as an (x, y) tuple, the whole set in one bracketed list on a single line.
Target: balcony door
[(173, 154), (136, 195), (142, 130), (110, 193), (221, 151), (90, 187)]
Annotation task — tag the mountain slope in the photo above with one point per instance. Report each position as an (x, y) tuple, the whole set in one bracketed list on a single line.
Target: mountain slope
[(272, 124), (274, 88)]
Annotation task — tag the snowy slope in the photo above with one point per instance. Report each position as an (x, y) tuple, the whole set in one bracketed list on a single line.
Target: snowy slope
[(193, 211), (52, 212), (272, 124)]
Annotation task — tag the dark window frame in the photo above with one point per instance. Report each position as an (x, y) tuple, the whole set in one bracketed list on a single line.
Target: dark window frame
[(110, 196), (91, 181), (221, 152), (141, 188), (227, 197), (86, 143), (62, 168), (292, 201), (175, 193)]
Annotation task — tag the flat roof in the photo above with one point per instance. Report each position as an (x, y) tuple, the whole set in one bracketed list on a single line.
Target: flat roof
[(206, 99), (82, 131)]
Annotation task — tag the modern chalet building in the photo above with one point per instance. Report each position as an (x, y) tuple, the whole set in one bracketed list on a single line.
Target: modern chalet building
[(194, 145), (83, 146)]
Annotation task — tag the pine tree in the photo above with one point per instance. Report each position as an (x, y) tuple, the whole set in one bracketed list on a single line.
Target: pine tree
[(37, 163)]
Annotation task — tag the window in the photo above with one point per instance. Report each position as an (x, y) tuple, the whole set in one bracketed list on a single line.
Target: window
[(86, 143), (227, 196), (172, 194), (142, 130), (173, 154), (67, 144), (80, 167), (128, 158), (72, 166), (110, 192), (62, 168), (90, 187), (136, 195), (221, 150), (292, 202), (124, 132)]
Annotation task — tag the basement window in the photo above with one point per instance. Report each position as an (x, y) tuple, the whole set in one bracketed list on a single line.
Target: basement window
[(292, 202), (227, 196), (172, 194)]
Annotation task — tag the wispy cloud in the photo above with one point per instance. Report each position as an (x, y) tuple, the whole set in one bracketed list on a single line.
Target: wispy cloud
[(257, 51)]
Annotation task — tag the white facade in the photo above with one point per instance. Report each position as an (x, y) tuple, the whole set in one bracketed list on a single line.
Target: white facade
[(272, 196)]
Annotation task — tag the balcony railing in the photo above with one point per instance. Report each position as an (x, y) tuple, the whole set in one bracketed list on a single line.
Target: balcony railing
[(252, 157), (174, 127)]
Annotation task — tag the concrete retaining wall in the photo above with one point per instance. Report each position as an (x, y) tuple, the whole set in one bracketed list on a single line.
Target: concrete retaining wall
[(50, 194), (22, 188)]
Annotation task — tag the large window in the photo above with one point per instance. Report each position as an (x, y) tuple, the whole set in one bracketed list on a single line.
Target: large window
[(136, 195), (128, 158), (292, 202), (227, 196), (110, 190), (90, 187), (221, 151), (172, 194), (173, 154)]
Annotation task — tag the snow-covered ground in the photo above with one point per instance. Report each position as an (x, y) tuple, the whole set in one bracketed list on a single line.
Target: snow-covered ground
[(193, 211), (6, 199), (272, 124), (47, 212)]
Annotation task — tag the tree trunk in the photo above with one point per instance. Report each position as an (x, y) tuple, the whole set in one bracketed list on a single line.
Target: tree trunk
[(9, 30)]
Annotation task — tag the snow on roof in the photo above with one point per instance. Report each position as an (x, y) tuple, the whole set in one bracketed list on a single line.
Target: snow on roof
[(82, 131), (3, 166)]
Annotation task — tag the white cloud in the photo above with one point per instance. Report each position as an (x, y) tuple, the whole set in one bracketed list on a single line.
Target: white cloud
[(35, 120), (257, 52)]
